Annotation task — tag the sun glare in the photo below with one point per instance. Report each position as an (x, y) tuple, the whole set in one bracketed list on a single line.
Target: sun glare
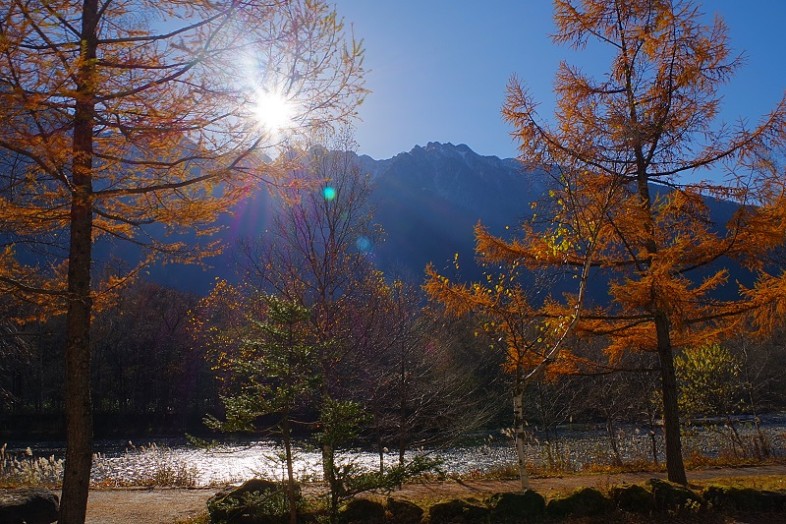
[(273, 111)]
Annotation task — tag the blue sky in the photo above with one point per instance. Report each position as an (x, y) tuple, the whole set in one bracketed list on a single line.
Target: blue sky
[(439, 67)]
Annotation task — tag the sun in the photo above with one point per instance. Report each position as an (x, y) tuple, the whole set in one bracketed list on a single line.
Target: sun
[(274, 111)]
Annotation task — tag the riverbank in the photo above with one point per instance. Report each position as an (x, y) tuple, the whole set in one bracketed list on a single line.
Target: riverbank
[(168, 506)]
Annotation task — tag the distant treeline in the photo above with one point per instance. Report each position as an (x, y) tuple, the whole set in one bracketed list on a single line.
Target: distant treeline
[(147, 375), (152, 377)]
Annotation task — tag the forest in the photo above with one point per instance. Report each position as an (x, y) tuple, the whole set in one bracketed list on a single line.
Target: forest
[(164, 359), (141, 122)]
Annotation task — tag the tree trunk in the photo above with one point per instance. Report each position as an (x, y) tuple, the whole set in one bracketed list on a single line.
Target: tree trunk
[(611, 431), (653, 438), (78, 407), (381, 451), (734, 436), (654, 447), (519, 432), (403, 408), (291, 486), (329, 470), (675, 468)]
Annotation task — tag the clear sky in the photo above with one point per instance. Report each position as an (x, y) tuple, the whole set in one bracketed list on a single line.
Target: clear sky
[(439, 67)]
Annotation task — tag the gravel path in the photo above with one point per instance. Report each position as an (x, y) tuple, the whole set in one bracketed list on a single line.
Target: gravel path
[(167, 506), (145, 506)]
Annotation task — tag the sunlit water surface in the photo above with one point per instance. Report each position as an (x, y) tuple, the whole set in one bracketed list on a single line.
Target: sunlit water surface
[(234, 463), (173, 461)]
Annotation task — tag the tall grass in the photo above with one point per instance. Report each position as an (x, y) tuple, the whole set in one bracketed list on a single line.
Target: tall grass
[(164, 470)]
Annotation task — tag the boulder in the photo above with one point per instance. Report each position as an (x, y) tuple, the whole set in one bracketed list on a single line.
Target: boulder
[(30, 506), (674, 498), (403, 511), (512, 507), (586, 502), (633, 499), (457, 512), (745, 499), (256, 501), (362, 511)]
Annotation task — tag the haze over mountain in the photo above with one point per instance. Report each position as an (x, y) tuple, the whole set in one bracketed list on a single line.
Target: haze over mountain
[(426, 200)]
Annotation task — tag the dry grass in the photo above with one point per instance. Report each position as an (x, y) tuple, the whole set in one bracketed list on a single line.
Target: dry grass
[(203, 518), (757, 482)]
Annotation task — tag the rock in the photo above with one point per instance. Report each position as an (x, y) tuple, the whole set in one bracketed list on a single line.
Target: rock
[(403, 511), (362, 511), (634, 499), (745, 499), (586, 502), (256, 501), (674, 498), (512, 507), (457, 512), (31, 506)]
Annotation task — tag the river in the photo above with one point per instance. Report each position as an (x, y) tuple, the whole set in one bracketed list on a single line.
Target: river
[(175, 462)]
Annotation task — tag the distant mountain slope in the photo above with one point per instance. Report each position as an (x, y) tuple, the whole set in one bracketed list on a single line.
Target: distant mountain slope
[(429, 199), (426, 200)]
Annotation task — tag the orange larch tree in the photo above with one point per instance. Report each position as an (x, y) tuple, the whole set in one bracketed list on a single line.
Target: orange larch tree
[(649, 130), (141, 120), (503, 308), (635, 157), (533, 334)]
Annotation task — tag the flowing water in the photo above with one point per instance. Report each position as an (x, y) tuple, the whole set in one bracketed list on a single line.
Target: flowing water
[(234, 463), (174, 462)]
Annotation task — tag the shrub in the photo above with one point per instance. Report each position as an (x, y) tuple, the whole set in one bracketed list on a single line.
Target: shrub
[(634, 499), (585, 503), (673, 498), (514, 506), (29, 471), (175, 475), (403, 511), (457, 511)]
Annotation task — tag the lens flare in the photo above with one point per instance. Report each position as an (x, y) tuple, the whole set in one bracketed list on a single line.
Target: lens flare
[(329, 193), (363, 244)]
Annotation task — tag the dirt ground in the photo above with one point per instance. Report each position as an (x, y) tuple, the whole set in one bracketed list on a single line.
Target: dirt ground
[(145, 506), (168, 506)]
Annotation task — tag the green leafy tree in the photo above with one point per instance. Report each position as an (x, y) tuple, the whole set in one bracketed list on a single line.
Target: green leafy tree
[(310, 255), (531, 340), (711, 384), (276, 376), (340, 422)]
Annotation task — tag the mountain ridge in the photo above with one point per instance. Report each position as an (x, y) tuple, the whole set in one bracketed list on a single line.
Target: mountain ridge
[(426, 200)]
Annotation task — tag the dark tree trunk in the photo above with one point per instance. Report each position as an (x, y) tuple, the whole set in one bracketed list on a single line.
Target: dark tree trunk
[(381, 452), (675, 468), (611, 431), (329, 470), (403, 408), (78, 408), (519, 429), (291, 484)]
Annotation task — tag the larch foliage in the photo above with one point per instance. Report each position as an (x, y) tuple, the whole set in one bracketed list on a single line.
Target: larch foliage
[(139, 120), (636, 158)]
